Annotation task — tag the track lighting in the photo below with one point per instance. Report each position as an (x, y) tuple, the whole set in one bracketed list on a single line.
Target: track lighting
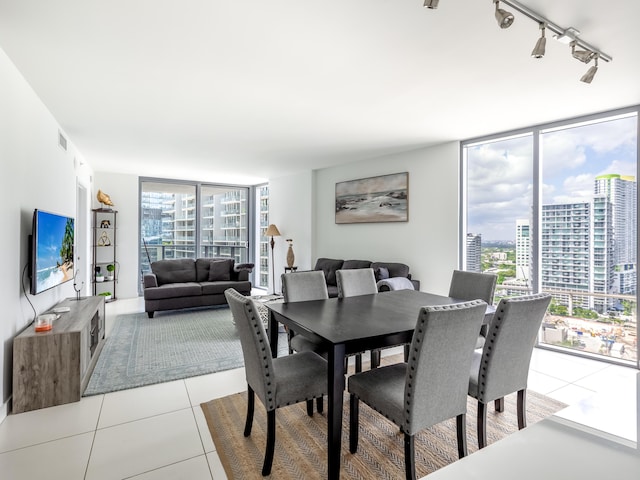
[(539, 49), (565, 35), (585, 56), (587, 77), (504, 18)]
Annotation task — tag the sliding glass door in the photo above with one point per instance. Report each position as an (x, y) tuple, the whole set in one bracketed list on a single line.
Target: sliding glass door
[(189, 220)]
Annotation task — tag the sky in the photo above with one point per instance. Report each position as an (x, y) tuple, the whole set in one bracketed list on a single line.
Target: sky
[(500, 173)]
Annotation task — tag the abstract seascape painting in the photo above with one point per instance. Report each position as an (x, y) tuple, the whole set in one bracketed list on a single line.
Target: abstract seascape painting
[(375, 199)]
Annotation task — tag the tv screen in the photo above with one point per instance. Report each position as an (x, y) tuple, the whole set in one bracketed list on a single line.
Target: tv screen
[(51, 250)]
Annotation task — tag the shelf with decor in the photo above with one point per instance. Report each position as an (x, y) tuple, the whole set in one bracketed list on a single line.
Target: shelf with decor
[(105, 265)]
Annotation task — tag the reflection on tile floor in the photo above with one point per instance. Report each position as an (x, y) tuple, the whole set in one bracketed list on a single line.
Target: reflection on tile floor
[(159, 432)]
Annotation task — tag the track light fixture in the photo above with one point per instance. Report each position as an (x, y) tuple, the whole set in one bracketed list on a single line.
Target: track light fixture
[(587, 77), (504, 18), (564, 35), (585, 56), (541, 44)]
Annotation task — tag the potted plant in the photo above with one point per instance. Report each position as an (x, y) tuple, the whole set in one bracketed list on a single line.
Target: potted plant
[(106, 295), (111, 269), (99, 275)]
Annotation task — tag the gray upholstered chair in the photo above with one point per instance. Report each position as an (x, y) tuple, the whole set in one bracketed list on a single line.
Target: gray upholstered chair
[(354, 282), (473, 285), (301, 287), (358, 281), (503, 365), (432, 386), (278, 382)]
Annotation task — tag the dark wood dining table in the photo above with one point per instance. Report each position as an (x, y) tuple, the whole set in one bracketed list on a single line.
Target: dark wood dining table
[(351, 325)]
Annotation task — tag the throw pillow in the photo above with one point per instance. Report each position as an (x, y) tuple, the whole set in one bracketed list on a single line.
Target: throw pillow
[(220, 271), (382, 273)]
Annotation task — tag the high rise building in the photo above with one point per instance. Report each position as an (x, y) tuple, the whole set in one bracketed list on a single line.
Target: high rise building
[(523, 250), (474, 252), (577, 251), (621, 192)]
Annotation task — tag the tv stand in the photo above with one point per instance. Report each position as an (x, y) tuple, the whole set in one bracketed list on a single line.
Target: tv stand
[(54, 367)]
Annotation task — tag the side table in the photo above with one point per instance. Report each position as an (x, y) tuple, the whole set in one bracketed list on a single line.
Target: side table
[(290, 269)]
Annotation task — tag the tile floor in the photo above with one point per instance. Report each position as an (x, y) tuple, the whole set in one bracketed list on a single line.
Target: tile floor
[(159, 432)]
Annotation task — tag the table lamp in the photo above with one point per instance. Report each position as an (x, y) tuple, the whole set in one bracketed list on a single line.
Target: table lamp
[(272, 231)]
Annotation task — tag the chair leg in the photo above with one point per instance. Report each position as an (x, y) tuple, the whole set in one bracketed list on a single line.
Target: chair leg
[(251, 401), (375, 359), (499, 404), (320, 404), (522, 408), (461, 427), (310, 407), (354, 412), (482, 425), (271, 443), (407, 348), (358, 363), (409, 457)]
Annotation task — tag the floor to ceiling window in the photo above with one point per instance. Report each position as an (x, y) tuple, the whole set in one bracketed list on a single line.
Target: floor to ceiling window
[(189, 219), (554, 209)]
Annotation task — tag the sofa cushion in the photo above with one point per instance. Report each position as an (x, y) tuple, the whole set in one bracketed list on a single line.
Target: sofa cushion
[(395, 269), (214, 288), (220, 270), (329, 266), (174, 271), (203, 266), (173, 290), (352, 264)]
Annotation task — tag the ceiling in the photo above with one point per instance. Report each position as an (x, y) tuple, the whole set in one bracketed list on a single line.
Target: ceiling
[(239, 91)]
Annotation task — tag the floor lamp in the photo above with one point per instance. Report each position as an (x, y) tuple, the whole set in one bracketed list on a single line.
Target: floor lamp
[(272, 231)]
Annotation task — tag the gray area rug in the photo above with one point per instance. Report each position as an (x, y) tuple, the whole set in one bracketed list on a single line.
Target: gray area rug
[(172, 345)]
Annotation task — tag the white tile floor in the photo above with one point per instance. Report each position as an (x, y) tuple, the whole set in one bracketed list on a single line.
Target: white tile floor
[(159, 432)]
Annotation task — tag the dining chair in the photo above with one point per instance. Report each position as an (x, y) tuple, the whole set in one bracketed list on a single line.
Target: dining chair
[(471, 286), (277, 382), (354, 282), (502, 367), (302, 287), (432, 386)]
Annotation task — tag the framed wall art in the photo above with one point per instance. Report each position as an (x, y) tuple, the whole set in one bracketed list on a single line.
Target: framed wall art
[(374, 199)]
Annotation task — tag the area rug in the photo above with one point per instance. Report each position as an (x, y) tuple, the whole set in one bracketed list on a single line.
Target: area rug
[(173, 345), (301, 441)]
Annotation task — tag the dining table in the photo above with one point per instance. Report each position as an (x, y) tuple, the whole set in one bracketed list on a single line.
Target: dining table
[(351, 325)]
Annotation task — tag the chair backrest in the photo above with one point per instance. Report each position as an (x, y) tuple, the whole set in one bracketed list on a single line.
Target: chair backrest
[(360, 281), (303, 286), (258, 363), (439, 363), (473, 285), (507, 351)]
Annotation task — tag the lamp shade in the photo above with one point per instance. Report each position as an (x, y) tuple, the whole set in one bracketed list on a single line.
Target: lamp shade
[(272, 231)]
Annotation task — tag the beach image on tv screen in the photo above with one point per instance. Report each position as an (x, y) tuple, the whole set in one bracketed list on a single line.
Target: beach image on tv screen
[(54, 250)]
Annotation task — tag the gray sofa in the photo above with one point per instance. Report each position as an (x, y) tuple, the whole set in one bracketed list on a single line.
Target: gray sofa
[(188, 282), (382, 271)]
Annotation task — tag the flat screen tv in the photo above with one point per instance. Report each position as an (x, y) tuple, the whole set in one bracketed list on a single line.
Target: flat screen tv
[(51, 251)]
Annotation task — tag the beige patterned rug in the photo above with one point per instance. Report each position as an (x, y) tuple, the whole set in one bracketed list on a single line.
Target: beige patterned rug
[(301, 441)]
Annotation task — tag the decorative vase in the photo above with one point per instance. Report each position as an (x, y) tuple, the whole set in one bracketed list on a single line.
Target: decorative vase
[(291, 258)]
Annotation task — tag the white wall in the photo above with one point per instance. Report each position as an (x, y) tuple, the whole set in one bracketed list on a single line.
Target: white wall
[(36, 173), (428, 242), (291, 210)]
